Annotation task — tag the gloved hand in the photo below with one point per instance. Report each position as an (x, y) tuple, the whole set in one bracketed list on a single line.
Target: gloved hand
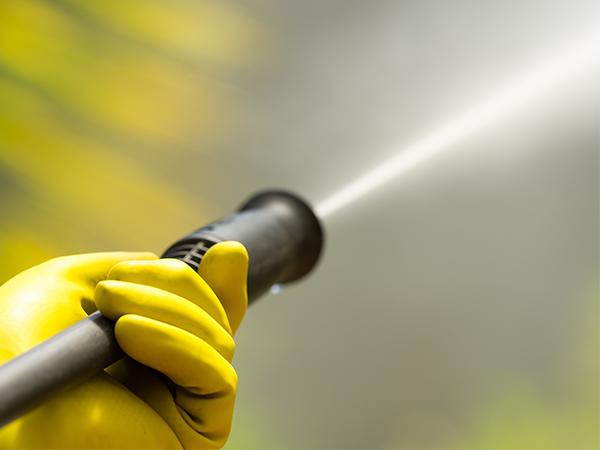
[(175, 389)]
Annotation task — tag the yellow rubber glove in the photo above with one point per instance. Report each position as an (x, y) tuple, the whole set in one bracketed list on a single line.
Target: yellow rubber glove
[(168, 318)]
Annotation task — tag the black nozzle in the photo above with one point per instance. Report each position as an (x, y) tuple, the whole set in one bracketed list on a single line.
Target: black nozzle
[(281, 233)]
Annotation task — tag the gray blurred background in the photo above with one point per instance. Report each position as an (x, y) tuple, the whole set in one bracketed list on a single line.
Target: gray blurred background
[(454, 307), (457, 306)]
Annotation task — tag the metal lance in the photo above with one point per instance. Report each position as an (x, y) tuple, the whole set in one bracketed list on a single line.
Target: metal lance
[(283, 238)]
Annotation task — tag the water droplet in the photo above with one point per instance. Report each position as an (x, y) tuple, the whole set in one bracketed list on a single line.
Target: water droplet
[(277, 289)]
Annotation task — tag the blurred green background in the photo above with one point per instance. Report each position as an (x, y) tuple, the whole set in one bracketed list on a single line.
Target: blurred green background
[(457, 308)]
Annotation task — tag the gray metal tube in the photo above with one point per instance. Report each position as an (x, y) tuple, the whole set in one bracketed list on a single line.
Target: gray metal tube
[(58, 363)]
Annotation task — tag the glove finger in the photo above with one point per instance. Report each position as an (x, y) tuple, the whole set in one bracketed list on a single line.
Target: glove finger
[(118, 298), (206, 382), (225, 269), (173, 276), (186, 359), (92, 267), (48, 298)]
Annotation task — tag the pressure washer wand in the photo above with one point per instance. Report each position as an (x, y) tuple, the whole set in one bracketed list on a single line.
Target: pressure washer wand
[(283, 238)]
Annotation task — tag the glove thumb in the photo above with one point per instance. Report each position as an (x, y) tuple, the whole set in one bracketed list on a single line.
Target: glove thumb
[(225, 269)]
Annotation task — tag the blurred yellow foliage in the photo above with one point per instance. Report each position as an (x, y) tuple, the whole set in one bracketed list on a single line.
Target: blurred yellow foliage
[(212, 31), (102, 105)]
